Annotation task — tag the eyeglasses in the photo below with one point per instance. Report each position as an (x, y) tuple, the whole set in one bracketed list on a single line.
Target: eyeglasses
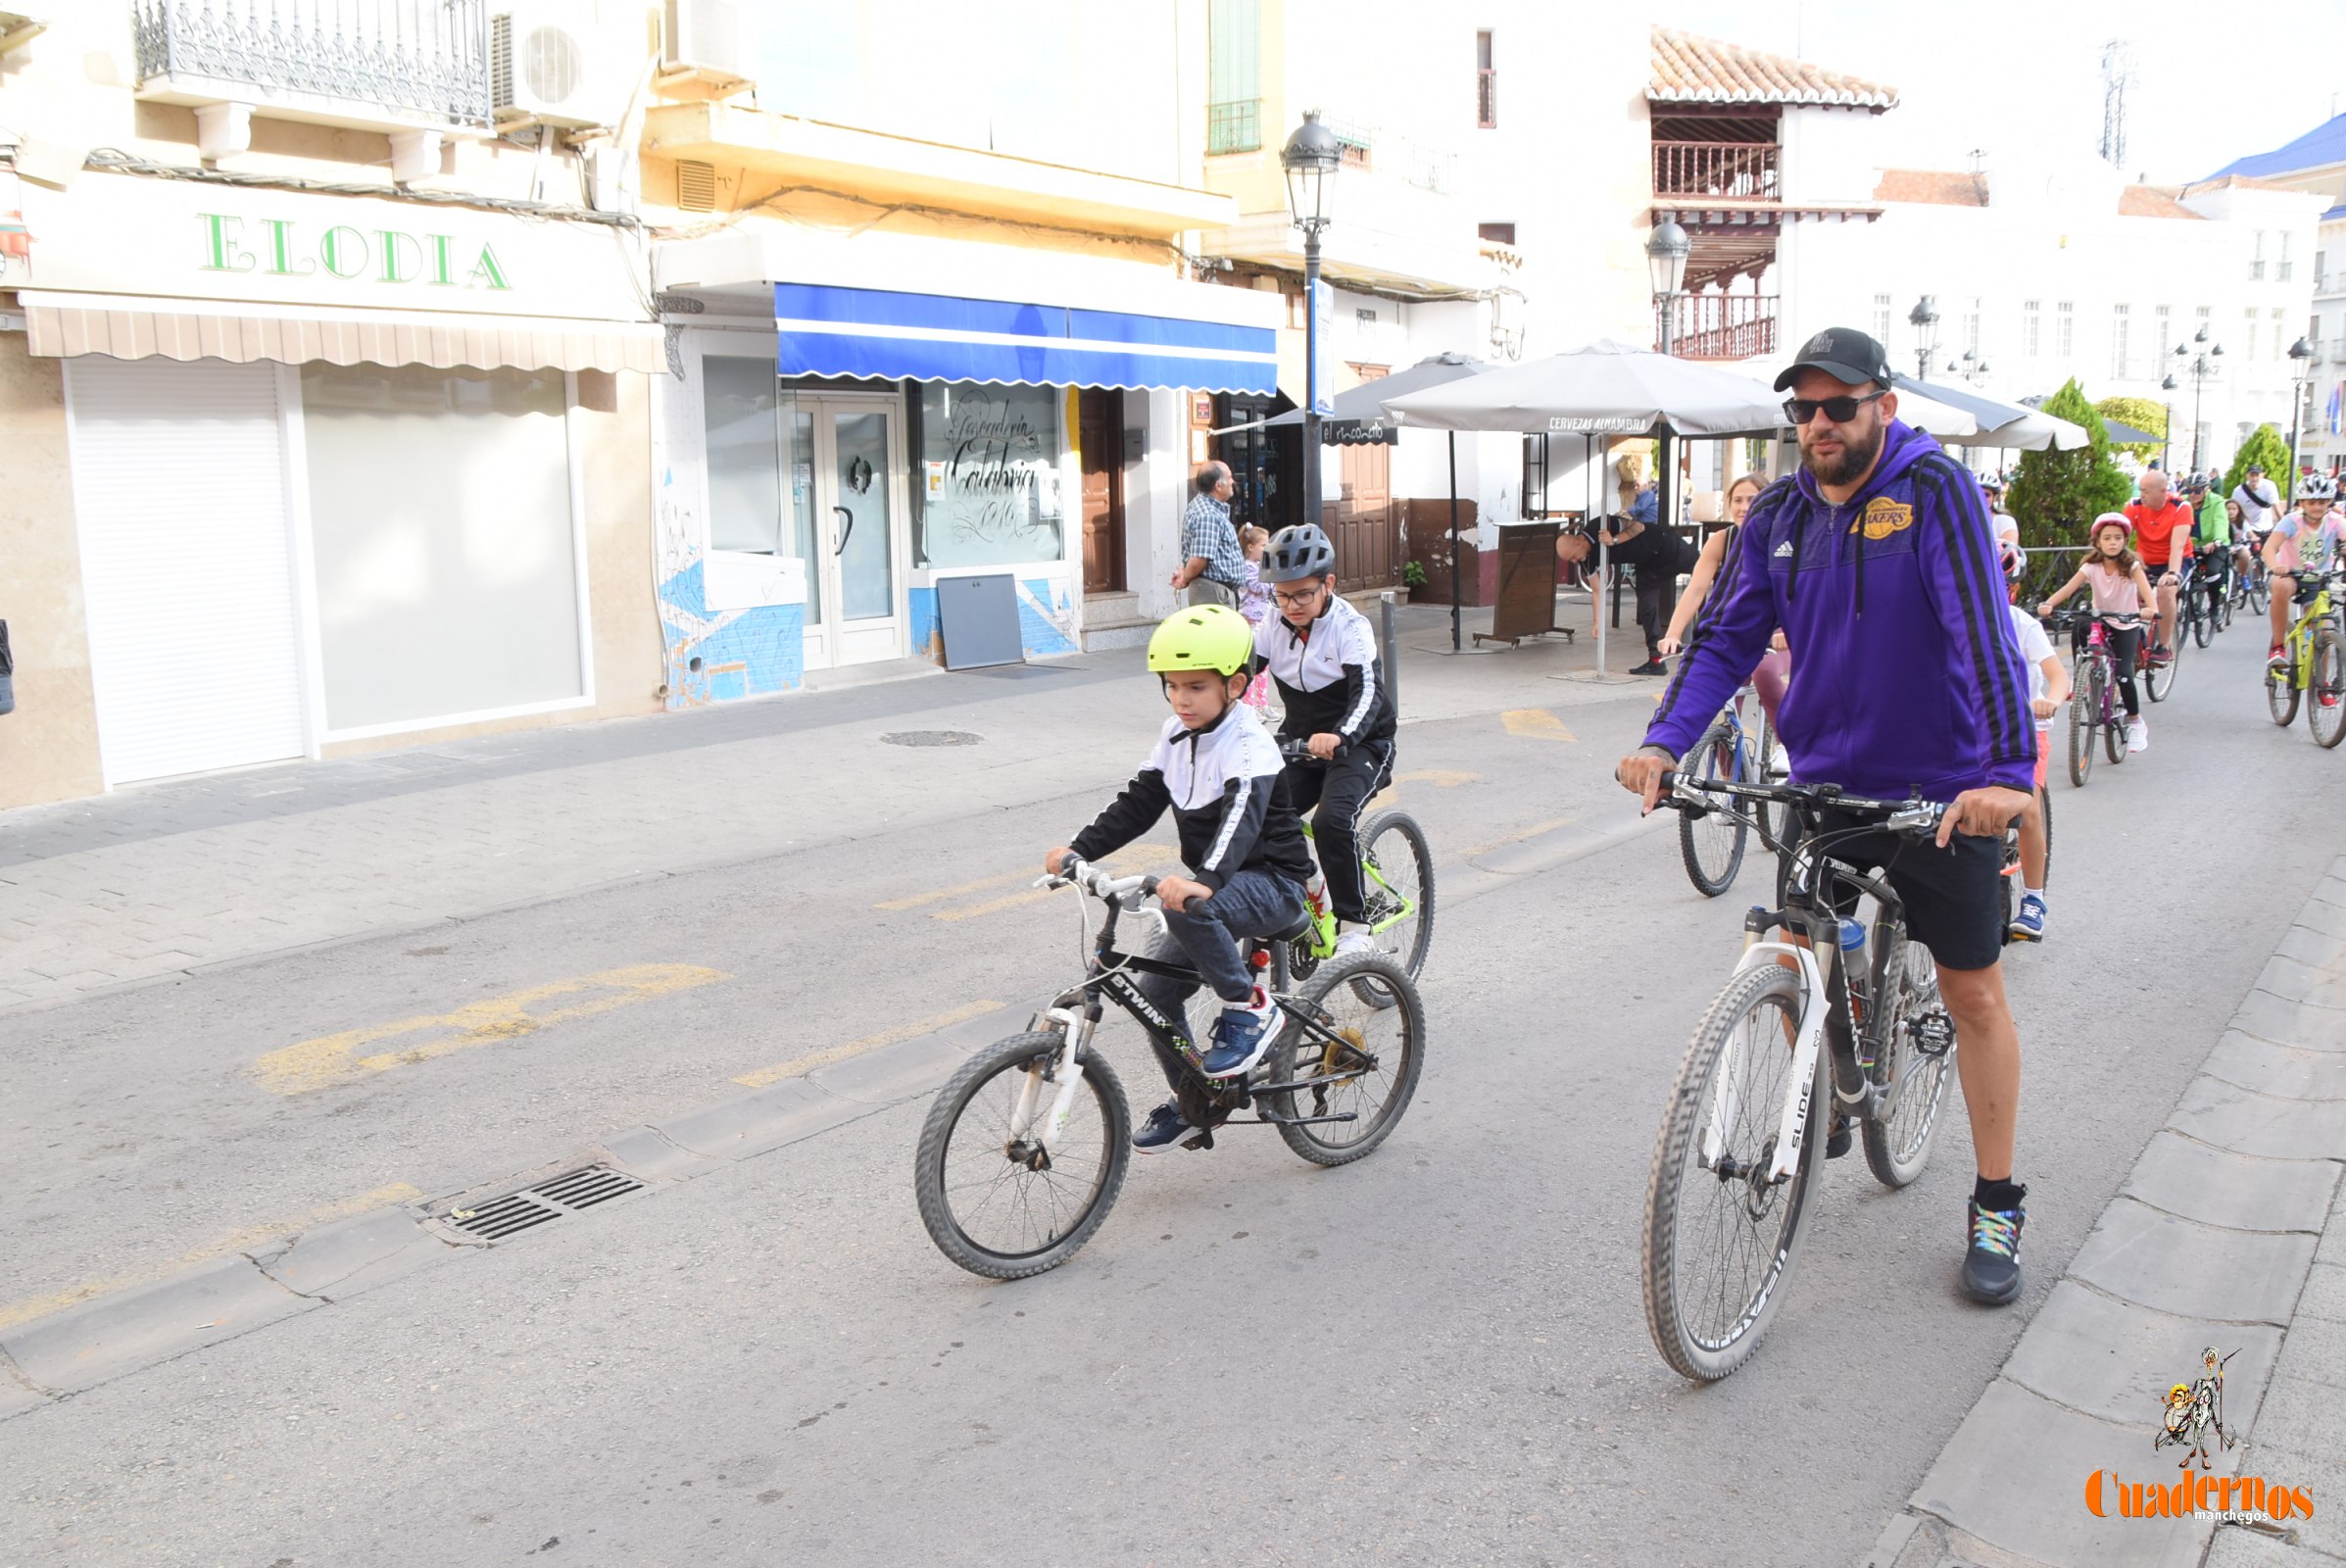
[(1300, 598), (1839, 411)]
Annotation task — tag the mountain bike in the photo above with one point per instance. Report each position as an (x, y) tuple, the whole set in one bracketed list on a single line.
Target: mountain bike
[(2093, 702), (2204, 607), (2315, 661), (1025, 1148), (1794, 1031), (1397, 882), (1713, 851)]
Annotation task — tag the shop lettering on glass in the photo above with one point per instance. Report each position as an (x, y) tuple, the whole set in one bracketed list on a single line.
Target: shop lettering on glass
[(998, 484), (280, 248)]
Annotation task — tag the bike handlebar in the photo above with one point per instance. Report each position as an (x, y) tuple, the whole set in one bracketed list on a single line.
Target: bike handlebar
[(1916, 815), (1300, 750), (1097, 882)]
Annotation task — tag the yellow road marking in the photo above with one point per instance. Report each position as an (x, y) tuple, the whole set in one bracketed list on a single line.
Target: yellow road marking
[(252, 1235), (1532, 832), (1442, 778), (332, 1058), (1536, 723), (979, 886), (798, 1067), (1124, 862)]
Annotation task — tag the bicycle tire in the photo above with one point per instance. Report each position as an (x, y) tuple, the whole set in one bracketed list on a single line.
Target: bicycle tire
[(2045, 813), (1711, 843), (2326, 714), (2084, 710), (933, 1158), (1899, 1147), (2203, 619), (2280, 693), (1764, 771), (1351, 997), (2159, 680), (2260, 594), (1414, 936), (2113, 740), (1771, 993)]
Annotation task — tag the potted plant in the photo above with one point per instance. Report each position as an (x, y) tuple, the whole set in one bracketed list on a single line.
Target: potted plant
[(1413, 579)]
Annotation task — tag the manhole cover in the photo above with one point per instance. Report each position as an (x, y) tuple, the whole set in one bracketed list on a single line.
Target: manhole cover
[(501, 1218), (932, 737)]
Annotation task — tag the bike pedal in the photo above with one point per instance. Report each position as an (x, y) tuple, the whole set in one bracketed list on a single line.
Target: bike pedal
[(1203, 1140)]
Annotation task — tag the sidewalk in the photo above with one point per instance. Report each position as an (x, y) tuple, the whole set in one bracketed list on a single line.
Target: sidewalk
[(191, 874), (2229, 1234)]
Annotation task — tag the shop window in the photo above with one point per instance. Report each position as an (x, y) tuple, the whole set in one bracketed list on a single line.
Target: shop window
[(440, 510), (1497, 233), (989, 475)]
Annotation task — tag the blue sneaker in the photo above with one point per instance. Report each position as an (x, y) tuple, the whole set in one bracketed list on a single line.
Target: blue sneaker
[(2028, 924), (1163, 1128), (1241, 1035), (1991, 1271)]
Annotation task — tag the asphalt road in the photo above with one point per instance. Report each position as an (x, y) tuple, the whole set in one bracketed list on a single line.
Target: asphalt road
[(1436, 1355)]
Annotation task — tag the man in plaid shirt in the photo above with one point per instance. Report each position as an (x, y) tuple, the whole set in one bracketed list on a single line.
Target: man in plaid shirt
[(1209, 545)]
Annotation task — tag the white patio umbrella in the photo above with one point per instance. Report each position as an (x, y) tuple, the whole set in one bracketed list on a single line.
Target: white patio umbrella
[(2001, 423)]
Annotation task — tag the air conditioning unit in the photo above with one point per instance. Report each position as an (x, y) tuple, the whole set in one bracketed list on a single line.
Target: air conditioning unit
[(715, 37), (562, 62)]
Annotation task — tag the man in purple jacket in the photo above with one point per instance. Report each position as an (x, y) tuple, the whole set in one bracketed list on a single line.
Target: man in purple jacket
[(1878, 562)]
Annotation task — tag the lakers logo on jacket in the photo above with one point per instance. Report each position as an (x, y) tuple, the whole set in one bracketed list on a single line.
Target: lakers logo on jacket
[(1883, 517)]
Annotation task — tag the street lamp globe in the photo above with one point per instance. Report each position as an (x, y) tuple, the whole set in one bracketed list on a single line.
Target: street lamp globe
[(1311, 157), (2169, 384), (1666, 249), (2301, 350), (2200, 336)]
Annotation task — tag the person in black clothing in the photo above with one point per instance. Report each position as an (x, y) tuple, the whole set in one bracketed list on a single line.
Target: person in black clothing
[(1660, 558)]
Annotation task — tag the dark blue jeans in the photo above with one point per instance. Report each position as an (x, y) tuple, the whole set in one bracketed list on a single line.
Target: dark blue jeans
[(1251, 903)]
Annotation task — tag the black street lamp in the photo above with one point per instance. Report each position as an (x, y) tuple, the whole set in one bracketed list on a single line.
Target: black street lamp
[(2167, 439), (1666, 249), (2301, 373), (2201, 367), (1923, 319), (1311, 157)]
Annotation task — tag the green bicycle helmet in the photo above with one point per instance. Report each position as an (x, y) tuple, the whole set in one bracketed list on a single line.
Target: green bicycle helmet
[(1211, 637)]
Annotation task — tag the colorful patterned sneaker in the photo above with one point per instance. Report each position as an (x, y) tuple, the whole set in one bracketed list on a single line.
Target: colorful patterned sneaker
[(1241, 1035), (1162, 1131), (2028, 924), (1991, 1271)]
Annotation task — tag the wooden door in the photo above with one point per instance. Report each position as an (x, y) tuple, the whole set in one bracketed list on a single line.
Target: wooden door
[(1363, 523), (1100, 433)]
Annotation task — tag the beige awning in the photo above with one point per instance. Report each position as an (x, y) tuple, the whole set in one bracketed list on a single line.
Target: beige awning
[(129, 327)]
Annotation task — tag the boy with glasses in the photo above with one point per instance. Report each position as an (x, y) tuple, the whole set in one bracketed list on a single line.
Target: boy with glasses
[(1323, 655)]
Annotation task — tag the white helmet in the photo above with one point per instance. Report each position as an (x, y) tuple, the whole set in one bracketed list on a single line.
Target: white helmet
[(2317, 486)]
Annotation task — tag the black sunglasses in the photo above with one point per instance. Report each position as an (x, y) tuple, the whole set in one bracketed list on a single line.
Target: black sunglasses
[(1840, 411)]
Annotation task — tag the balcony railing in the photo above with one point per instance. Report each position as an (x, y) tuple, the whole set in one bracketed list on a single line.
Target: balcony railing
[(1235, 126), (425, 60), (1724, 170), (1486, 99), (1723, 327)]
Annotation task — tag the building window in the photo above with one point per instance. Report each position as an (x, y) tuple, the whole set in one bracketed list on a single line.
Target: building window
[(2280, 350), (1535, 474), (2256, 266), (1971, 327), (2031, 328), (2065, 330), (441, 514), (1485, 83), (2320, 266), (2282, 270), (2159, 326), (1881, 320), (1233, 77), (1497, 233), (989, 479), (2121, 330), (2248, 349)]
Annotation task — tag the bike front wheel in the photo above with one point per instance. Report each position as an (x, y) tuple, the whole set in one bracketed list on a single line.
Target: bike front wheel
[(2203, 623), (1711, 843), (2326, 714), (993, 1200), (2082, 711), (2280, 694), (1920, 1048), (2159, 680), (1398, 881), (1355, 1039), (1721, 1240), (2260, 594)]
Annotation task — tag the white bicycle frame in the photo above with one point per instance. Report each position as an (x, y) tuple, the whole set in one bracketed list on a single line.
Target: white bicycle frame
[(1808, 1038), (1068, 1072)]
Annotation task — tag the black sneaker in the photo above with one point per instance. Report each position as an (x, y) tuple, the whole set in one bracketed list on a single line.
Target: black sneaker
[(1836, 1142), (1162, 1130), (1991, 1271), (1652, 666)]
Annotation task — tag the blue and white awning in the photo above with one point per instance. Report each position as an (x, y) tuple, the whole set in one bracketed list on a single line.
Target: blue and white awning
[(827, 330)]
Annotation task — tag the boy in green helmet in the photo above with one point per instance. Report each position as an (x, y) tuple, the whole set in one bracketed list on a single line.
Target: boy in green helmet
[(1217, 768)]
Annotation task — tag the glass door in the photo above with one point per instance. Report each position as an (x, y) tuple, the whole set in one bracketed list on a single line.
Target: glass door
[(860, 521)]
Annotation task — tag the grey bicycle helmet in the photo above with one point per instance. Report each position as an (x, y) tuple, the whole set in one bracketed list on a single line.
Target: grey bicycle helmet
[(1295, 553)]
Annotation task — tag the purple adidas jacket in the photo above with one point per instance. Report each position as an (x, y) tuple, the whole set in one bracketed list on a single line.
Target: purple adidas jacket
[(1906, 675)]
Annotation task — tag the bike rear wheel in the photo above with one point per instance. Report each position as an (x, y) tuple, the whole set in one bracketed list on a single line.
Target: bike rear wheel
[(1367, 1037), (2260, 593), (1898, 1143), (1400, 877), (2084, 709), (1720, 1241), (1766, 769), (985, 1202), (2203, 617), (2159, 680), (2326, 712), (2281, 692), (1711, 843)]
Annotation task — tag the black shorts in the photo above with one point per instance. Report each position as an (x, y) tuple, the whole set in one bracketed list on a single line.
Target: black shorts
[(1954, 896)]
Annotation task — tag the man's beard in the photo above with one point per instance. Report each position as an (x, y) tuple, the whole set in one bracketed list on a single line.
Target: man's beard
[(1857, 456)]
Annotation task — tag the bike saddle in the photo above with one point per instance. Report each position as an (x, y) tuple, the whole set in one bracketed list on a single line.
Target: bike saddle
[(1301, 926)]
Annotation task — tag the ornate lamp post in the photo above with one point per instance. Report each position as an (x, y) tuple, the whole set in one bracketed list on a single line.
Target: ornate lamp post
[(1923, 319), (2167, 441), (1311, 157), (2199, 358), (1666, 251), (2301, 373)]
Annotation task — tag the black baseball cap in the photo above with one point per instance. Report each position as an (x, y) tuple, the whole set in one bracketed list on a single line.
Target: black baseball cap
[(1842, 352)]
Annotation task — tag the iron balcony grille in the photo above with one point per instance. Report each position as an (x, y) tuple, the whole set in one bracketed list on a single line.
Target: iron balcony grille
[(1723, 327), (428, 58), (1235, 126), (1737, 171)]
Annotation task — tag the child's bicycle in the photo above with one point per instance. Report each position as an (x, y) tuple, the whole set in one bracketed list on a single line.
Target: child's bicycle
[(1397, 880), (1792, 1032), (1025, 1149), (2093, 704), (2315, 662)]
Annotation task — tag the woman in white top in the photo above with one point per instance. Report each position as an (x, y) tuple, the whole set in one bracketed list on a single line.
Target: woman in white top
[(1775, 669), (2114, 574)]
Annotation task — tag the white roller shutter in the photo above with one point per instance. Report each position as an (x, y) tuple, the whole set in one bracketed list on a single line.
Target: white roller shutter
[(186, 565)]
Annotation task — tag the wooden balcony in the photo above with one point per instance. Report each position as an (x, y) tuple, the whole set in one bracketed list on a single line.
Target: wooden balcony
[(1716, 171), (1723, 327)]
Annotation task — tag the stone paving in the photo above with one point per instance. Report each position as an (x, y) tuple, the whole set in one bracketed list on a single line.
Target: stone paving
[(2230, 1233)]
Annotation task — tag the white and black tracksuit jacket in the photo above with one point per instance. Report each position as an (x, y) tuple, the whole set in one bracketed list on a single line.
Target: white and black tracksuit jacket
[(1327, 673), (1222, 784)]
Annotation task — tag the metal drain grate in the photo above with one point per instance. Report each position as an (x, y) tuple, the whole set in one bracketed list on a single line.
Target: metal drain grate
[(501, 1218), (931, 737)]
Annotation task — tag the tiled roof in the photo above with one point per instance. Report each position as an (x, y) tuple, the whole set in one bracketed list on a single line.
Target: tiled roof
[(2324, 144), (2151, 201), (1688, 68), (1931, 187)]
